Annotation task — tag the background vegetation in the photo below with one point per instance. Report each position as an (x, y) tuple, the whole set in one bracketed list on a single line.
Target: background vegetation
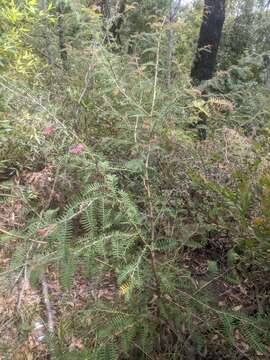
[(123, 236)]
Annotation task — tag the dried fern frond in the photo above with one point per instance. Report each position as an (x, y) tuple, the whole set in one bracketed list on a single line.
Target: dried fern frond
[(220, 104)]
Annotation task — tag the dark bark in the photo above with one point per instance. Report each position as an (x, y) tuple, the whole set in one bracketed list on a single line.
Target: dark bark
[(113, 33), (207, 49), (209, 38), (116, 26), (105, 9)]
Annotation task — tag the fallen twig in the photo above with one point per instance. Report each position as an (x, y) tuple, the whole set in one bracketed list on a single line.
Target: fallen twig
[(21, 293), (48, 305)]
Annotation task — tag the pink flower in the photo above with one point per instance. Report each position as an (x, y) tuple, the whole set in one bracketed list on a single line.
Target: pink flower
[(77, 149), (48, 130)]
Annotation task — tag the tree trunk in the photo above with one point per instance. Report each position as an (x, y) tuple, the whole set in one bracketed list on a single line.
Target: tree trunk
[(42, 5), (115, 28), (115, 20), (105, 9), (174, 7), (209, 38), (61, 37)]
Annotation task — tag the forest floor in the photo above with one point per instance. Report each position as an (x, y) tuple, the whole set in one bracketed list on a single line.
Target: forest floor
[(26, 309)]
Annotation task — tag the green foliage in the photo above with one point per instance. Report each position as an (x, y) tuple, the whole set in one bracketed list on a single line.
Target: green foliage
[(243, 33), (131, 195), (17, 20), (113, 236)]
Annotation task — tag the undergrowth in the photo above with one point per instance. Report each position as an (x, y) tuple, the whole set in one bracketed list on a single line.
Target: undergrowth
[(103, 177)]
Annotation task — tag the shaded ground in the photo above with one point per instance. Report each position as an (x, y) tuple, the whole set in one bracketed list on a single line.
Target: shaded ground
[(23, 309)]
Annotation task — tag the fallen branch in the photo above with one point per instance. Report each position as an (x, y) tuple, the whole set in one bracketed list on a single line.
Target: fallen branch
[(48, 305), (23, 287), (3, 231)]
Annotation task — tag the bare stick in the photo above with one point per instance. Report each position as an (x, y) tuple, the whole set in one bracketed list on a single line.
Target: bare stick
[(146, 179), (48, 305), (24, 281), (10, 234)]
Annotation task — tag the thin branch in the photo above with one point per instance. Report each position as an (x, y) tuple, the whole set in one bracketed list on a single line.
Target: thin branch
[(11, 234), (47, 303), (24, 282), (146, 179), (20, 237)]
